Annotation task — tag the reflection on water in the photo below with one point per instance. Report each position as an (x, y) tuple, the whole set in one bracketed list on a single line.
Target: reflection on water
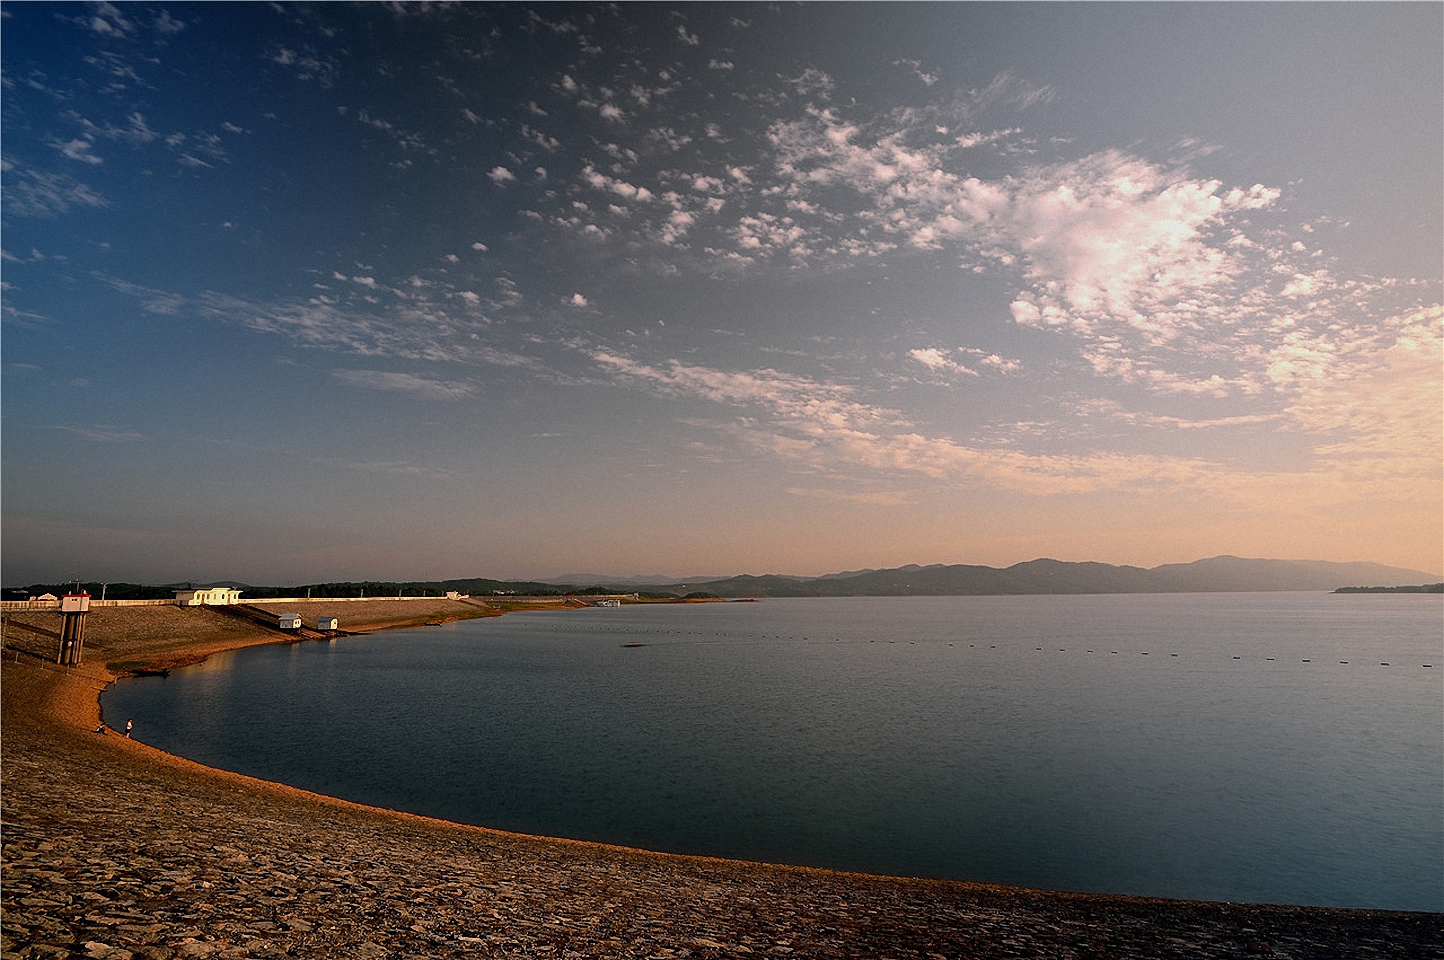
[(1242, 747)]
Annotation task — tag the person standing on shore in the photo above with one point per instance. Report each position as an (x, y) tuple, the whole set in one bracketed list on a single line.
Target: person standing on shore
[(129, 724)]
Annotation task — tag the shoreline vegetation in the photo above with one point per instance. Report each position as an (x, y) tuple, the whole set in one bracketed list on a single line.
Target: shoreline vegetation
[(1419, 588), (115, 849)]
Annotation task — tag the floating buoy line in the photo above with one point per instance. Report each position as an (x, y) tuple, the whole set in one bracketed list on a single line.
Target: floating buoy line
[(972, 646), (951, 643)]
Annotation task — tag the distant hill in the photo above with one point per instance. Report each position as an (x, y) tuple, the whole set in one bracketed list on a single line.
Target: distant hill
[(1214, 575)]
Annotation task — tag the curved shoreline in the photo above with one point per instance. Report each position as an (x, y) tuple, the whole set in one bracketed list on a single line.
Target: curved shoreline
[(204, 861)]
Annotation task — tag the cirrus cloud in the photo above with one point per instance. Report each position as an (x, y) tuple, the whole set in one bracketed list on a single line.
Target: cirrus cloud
[(424, 387)]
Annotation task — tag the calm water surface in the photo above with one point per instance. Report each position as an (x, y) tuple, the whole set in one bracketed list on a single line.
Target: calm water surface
[(1206, 746)]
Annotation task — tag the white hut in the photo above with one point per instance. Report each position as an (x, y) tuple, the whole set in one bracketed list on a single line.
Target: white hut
[(327, 623), (289, 621)]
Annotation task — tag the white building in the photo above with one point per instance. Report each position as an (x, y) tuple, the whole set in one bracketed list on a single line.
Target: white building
[(327, 623), (289, 621), (211, 597)]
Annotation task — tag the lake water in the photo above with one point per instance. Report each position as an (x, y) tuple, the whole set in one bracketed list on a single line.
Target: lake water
[(1211, 746)]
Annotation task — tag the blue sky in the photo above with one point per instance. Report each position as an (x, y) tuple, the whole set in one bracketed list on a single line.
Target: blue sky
[(295, 293)]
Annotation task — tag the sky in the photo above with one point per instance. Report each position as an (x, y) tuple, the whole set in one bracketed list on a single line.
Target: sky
[(298, 293)]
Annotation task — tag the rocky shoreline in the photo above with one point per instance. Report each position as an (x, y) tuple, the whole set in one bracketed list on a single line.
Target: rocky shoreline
[(112, 849)]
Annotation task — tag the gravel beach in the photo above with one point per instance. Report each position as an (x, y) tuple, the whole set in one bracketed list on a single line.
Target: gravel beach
[(112, 849)]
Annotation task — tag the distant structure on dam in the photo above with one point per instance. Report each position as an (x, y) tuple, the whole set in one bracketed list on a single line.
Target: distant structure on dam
[(208, 597)]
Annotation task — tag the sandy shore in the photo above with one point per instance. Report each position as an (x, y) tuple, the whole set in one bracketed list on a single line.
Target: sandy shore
[(114, 849)]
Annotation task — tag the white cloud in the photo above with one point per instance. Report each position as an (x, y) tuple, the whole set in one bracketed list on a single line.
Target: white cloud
[(500, 175), (103, 434), (109, 21), (1376, 402), (939, 362), (1000, 364), (307, 64), (978, 139), (151, 299), (621, 188), (1116, 239), (33, 193), (825, 427), (167, 24), (1108, 239), (77, 149), (916, 66), (543, 140), (674, 141), (403, 468), (812, 83), (677, 225), (423, 387)]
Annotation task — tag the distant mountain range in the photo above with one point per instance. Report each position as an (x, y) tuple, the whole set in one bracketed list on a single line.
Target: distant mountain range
[(1214, 575)]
